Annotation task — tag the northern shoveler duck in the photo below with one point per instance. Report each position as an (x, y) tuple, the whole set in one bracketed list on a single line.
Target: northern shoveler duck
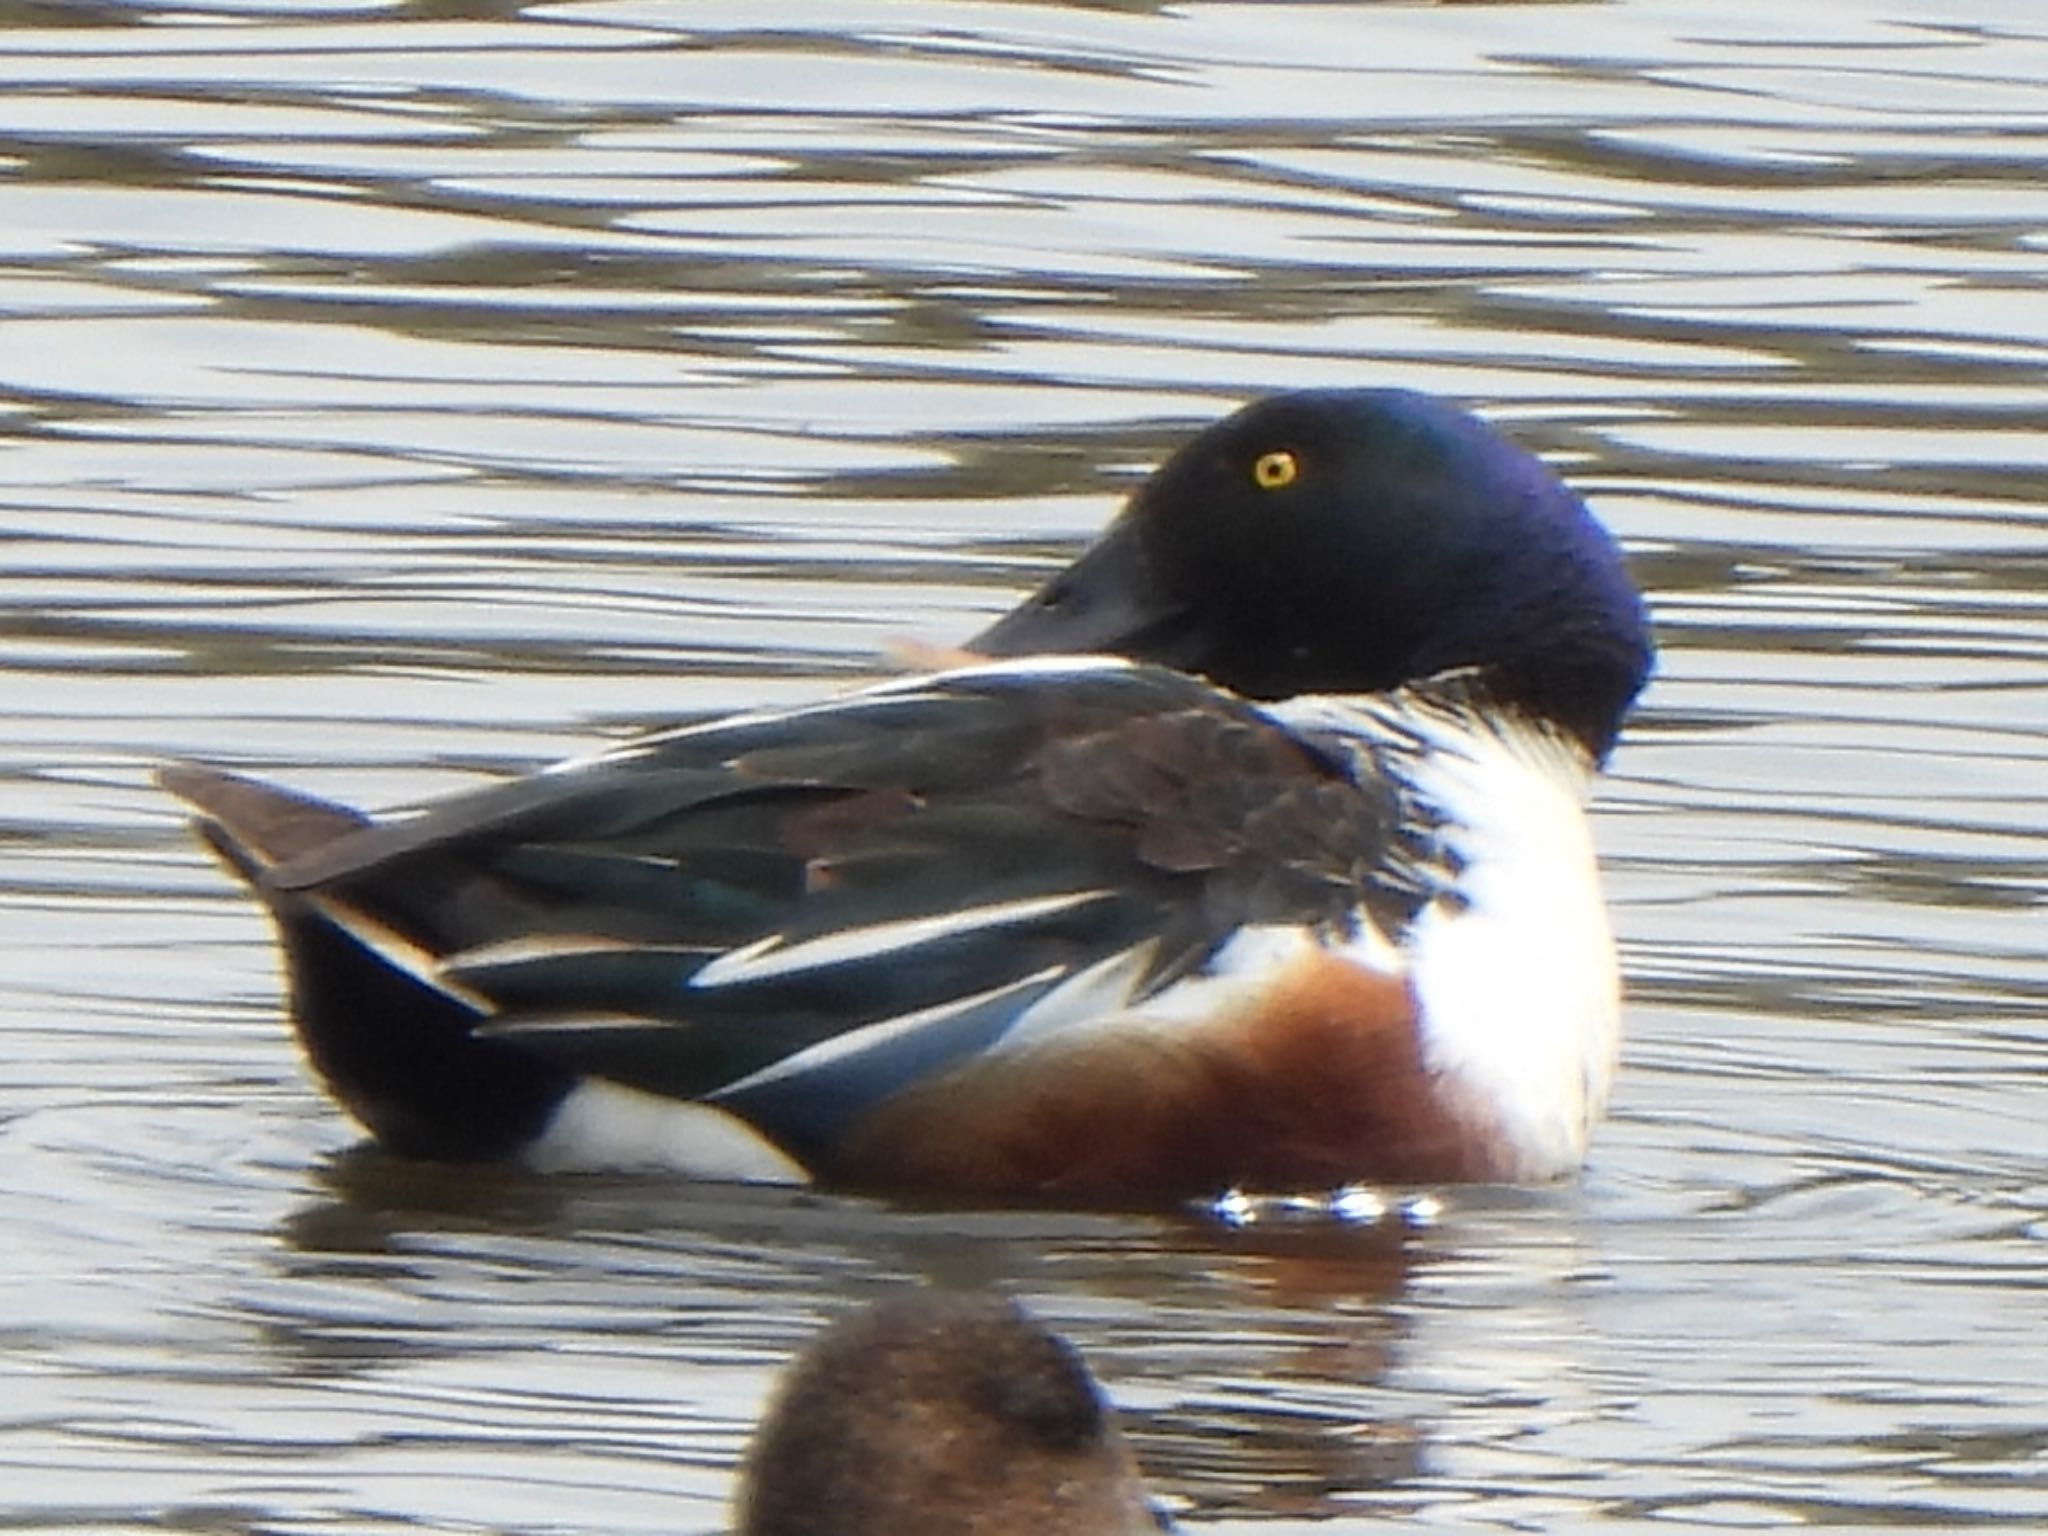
[(946, 1414), (1252, 856)]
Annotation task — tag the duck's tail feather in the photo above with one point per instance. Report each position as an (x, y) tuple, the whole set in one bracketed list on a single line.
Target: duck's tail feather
[(254, 826), (400, 1052)]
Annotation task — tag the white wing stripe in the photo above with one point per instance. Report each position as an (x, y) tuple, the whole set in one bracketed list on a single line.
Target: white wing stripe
[(400, 953), (769, 958), (886, 695), (839, 1048)]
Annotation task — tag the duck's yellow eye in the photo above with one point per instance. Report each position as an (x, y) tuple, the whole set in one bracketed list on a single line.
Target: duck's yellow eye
[(1273, 470)]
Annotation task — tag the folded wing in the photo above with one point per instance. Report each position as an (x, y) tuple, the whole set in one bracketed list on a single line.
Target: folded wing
[(795, 915)]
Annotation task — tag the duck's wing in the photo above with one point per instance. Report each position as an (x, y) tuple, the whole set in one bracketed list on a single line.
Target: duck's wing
[(797, 913)]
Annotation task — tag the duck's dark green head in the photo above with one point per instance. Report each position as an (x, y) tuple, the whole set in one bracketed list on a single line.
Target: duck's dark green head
[(1349, 541)]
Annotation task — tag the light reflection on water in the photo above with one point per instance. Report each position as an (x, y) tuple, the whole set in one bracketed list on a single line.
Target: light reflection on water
[(391, 397)]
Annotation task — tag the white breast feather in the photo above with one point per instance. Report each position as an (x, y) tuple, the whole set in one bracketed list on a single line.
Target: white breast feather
[(1516, 973)]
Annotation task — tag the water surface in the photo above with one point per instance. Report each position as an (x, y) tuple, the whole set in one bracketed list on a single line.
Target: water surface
[(396, 396)]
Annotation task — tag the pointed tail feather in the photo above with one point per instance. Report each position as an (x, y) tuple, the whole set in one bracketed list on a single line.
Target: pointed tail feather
[(255, 826), (398, 1049)]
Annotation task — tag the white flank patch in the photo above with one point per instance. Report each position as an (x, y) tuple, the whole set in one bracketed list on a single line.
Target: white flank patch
[(1233, 980), (606, 1126), (768, 958), (1086, 998), (1242, 971), (1520, 992)]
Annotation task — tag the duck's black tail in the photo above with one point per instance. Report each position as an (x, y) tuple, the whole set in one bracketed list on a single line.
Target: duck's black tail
[(400, 1052)]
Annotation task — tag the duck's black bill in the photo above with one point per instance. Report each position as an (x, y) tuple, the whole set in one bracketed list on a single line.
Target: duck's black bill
[(1108, 602)]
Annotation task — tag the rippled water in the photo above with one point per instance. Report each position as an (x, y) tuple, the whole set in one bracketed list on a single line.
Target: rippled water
[(393, 396)]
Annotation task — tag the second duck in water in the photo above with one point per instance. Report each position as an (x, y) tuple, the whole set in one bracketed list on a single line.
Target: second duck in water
[(938, 1413), (1254, 855)]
